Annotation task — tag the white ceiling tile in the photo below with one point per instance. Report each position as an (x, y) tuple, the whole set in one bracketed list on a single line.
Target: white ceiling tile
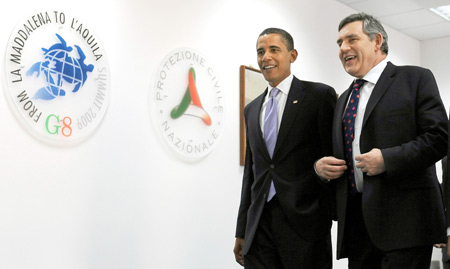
[(379, 8), (431, 3), (351, 1), (430, 31), (412, 19)]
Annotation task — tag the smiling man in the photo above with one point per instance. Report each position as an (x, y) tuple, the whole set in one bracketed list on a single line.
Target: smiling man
[(389, 130), (285, 213)]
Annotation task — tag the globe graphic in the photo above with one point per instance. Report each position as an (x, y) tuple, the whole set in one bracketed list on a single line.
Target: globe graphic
[(61, 68)]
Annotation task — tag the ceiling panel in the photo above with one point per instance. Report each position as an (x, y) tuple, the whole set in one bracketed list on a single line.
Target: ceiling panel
[(385, 7), (429, 32), (431, 3), (411, 17), (414, 19), (351, 1)]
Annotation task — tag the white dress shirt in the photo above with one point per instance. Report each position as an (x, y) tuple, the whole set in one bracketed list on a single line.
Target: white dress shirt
[(284, 87), (371, 80)]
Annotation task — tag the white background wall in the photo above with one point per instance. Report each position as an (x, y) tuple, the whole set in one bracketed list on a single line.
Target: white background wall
[(435, 55), (121, 199)]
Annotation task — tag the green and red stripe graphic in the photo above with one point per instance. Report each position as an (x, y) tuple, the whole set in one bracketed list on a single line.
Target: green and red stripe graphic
[(191, 97)]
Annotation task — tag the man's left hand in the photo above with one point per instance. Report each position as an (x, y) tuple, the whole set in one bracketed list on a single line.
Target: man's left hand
[(371, 163)]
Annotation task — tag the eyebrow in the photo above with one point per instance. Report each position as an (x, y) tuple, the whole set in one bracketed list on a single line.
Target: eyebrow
[(270, 47), (347, 37)]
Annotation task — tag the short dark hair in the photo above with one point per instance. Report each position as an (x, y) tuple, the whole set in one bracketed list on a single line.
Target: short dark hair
[(371, 27), (285, 36)]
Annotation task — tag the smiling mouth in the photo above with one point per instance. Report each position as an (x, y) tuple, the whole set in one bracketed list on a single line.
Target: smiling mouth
[(348, 58), (269, 67)]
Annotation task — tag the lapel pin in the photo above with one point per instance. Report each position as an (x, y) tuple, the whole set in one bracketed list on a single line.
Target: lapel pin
[(295, 101)]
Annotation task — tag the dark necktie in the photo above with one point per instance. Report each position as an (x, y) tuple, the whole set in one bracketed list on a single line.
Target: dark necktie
[(271, 130), (348, 125)]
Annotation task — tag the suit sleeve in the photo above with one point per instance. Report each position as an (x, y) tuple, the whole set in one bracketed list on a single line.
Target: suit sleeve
[(247, 181), (430, 144), (325, 124), (445, 181), (325, 121), (445, 188)]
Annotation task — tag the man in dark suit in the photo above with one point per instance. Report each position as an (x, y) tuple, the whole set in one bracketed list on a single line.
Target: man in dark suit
[(389, 205), (446, 194), (284, 217)]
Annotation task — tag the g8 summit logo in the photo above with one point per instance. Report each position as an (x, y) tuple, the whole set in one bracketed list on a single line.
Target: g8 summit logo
[(189, 104), (64, 69), (57, 77)]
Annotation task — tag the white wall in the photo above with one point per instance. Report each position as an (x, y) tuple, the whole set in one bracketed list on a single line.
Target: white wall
[(435, 55), (121, 199)]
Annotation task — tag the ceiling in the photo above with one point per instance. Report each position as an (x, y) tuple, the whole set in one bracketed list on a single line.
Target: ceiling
[(411, 17)]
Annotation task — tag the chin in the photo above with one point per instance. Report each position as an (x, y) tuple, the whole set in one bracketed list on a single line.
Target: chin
[(350, 72), (266, 77)]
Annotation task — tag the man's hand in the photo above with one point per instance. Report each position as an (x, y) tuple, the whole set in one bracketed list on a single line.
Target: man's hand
[(371, 163), (330, 167), (238, 246)]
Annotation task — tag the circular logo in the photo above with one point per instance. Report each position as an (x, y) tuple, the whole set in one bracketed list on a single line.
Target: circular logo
[(189, 103), (57, 77)]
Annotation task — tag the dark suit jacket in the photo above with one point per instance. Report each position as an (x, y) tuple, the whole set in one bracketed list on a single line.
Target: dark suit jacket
[(304, 136), (406, 119), (446, 186), (446, 193)]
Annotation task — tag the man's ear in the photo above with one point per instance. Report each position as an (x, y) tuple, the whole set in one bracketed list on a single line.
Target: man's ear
[(294, 55), (379, 41)]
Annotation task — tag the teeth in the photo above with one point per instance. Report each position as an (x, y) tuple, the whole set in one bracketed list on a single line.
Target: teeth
[(349, 58), (269, 67)]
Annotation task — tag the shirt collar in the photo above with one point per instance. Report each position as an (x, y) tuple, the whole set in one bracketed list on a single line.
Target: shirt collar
[(284, 86), (375, 73)]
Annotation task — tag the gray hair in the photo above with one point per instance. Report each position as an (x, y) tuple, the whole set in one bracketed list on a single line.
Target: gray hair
[(371, 27)]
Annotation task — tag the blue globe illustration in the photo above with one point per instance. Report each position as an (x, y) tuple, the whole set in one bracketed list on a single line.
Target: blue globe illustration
[(61, 70)]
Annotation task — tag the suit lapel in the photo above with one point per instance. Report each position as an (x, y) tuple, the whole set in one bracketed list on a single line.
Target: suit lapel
[(384, 82), (293, 104), (257, 121)]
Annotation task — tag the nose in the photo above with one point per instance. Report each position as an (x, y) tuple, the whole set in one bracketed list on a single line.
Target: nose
[(344, 47), (267, 56)]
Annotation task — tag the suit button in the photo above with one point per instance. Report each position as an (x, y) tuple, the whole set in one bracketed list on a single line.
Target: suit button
[(272, 166)]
